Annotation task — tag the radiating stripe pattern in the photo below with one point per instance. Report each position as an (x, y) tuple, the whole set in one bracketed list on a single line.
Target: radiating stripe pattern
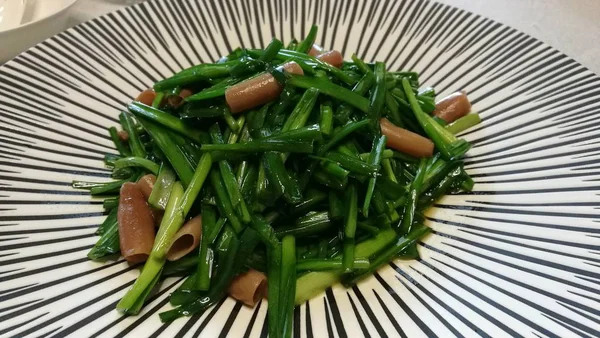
[(518, 257)]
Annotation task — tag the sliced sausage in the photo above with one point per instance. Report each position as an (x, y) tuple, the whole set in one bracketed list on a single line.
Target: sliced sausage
[(146, 97), (333, 57), (146, 184), (316, 50), (248, 287), (406, 141), (185, 93), (292, 68), (452, 107), (123, 135), (258, 90), (136, 225), (186, 239), (176, 100)]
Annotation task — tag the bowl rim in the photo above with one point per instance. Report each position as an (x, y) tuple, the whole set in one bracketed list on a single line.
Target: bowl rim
[(17, 28)]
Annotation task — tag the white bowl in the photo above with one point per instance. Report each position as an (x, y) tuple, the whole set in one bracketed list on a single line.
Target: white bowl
[(49, 18)]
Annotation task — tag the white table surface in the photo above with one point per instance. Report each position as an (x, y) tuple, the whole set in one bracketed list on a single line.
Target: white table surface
[(571, 26)]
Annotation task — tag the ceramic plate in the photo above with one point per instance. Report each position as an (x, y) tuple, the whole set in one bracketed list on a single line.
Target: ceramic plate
[(519, 256)]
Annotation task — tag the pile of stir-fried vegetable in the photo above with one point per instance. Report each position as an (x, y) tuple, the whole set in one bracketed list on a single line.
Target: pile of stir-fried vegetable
[(282, 167)]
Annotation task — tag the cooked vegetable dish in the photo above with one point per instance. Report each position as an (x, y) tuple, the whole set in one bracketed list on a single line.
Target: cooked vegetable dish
[(276, 173)]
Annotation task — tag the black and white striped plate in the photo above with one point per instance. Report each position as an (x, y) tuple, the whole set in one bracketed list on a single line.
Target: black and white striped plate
[(520, 256)]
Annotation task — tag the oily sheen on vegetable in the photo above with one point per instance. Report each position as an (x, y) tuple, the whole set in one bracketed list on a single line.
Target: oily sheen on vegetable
[(276, 173)]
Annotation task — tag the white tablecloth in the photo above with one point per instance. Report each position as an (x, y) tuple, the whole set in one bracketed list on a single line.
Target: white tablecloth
[(571, 26)]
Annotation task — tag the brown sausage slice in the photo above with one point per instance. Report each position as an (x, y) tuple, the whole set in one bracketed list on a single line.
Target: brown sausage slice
[(185, 93), (248, 287), (177, 101), (146, 97), (406, 141), (123, 135), (316, 50), (258, 90), (136, 225), (333, 57), (186, 239), (146, 184), (452, 107), (293, 68)]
